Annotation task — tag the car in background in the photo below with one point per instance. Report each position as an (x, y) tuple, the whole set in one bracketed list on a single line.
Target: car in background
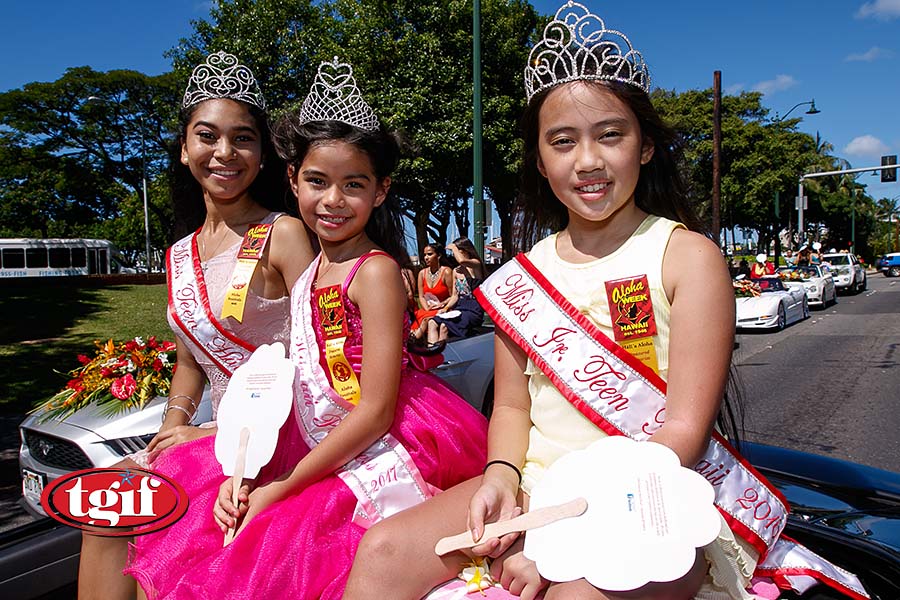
[(775, 307), (815, 280), (849, 273), (889, 264), (89, 439)]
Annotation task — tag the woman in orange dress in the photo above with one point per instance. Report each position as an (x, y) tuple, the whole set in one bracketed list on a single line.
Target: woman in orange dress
[(437, 293)]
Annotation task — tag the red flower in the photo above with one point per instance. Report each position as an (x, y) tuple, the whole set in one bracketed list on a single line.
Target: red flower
[(76, 384), (167, 346), (123, 387), (106, 372), (157, 365), (151, 341), (131, 345), (83, 359)]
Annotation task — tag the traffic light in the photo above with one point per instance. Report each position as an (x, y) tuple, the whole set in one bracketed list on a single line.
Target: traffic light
[(888, 175)]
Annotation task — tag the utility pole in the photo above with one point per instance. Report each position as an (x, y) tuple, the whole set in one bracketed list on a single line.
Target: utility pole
[(477, 185), (717, 151)]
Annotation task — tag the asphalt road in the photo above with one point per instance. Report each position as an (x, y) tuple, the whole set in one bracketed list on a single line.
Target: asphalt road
[(828, 385)]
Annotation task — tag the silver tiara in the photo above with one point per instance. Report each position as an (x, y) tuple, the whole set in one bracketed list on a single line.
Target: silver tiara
[(578, 46), (335, 97), (222, 76)]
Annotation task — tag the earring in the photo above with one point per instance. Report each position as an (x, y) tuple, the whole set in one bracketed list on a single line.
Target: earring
[(261, 165)]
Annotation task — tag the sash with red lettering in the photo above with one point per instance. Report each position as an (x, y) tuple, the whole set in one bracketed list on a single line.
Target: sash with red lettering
[(189, 307), (622, 396), (384, 478)]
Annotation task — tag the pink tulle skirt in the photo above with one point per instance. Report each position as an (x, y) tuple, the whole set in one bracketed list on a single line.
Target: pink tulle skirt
[(303, 546)]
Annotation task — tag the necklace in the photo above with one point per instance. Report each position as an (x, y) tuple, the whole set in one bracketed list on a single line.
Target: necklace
[(433, 276)]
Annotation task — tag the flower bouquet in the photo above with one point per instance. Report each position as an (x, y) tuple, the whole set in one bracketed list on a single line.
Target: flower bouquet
[(119, 377), (744, 288)]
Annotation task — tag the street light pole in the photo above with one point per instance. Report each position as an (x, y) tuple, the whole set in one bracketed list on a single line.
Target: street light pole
[(144, 185), (812, 110)]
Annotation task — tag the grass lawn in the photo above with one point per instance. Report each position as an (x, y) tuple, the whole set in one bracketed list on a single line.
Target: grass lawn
[(48, 323)]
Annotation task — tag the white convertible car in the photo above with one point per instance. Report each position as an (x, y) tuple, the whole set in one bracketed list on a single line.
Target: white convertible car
[(816, 280), (774, 307)]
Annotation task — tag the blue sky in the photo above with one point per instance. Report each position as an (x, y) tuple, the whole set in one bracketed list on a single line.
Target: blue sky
[(845, 54)]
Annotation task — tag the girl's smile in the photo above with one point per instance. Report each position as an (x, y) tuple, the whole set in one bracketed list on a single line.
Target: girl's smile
[(337, 190), (222, 148), (590, 149)]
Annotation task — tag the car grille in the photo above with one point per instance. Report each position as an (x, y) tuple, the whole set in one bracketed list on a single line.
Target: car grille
[(129, 445), (55, 452)]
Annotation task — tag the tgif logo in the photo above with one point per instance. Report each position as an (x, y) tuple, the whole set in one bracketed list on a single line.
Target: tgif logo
[(111, 502)]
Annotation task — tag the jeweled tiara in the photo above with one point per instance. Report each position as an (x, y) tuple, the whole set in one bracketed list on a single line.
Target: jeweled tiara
[(334, 96), (578, 46), (222, 76)]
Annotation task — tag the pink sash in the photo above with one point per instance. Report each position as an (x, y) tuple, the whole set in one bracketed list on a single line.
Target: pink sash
[(622, 396), (384, 478), (189, 307)]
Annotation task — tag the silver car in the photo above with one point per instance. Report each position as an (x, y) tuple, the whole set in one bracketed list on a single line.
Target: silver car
[(849, 274), (89, 439)]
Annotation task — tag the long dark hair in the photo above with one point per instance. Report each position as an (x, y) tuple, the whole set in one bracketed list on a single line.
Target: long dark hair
[(661, 190), (293, 140), (269, 189)]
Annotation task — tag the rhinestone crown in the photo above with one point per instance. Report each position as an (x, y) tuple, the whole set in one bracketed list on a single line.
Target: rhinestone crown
[(222, 76), (334, 96), (578, 46)]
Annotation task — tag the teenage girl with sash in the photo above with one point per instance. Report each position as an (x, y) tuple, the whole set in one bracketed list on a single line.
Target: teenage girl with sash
[(226, 191), (619, 323), (383, 435)]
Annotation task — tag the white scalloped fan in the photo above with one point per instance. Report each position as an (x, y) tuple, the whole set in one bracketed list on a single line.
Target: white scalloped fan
[(252, 411)]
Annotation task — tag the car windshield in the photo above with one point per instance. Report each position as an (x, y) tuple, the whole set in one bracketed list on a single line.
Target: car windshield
[(838, 259), (770, 284)]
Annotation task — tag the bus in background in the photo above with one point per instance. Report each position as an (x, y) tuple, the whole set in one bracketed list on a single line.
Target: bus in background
[(26, 257)]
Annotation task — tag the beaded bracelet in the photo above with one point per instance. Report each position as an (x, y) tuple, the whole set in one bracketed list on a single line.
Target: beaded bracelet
[(508, 464)]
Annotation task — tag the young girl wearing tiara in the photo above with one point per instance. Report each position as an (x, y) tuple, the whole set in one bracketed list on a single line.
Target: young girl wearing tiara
[(600, 171), (383, 436), (226, 181)]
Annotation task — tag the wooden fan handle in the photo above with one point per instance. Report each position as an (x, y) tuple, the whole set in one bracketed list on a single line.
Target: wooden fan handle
[(237, 478), (530, 520)]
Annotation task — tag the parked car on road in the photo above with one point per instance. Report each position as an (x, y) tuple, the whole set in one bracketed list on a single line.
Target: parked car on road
[(775, 307), (89, 439), (849, 273), (889, 264), (816, 280)]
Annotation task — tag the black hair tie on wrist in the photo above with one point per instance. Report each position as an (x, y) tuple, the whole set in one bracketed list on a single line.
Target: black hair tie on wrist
[(508, 464)]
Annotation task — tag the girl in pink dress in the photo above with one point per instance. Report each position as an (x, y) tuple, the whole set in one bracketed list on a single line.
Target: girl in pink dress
[(384, 436), (220, 190)]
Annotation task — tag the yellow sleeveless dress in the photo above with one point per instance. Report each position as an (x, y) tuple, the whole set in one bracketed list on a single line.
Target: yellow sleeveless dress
[(559, 428)]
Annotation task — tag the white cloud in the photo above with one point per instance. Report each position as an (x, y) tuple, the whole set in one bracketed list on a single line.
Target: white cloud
[(734, 89), (880, 9), (779, 84), (866, 146), (870, 55)]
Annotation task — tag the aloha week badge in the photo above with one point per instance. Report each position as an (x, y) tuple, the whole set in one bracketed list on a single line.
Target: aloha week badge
[(248, 257), (633, 322), (333, 321)]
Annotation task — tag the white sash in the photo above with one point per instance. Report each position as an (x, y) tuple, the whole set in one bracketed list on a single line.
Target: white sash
[(384, 477), (189, 307), (622, 396)]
